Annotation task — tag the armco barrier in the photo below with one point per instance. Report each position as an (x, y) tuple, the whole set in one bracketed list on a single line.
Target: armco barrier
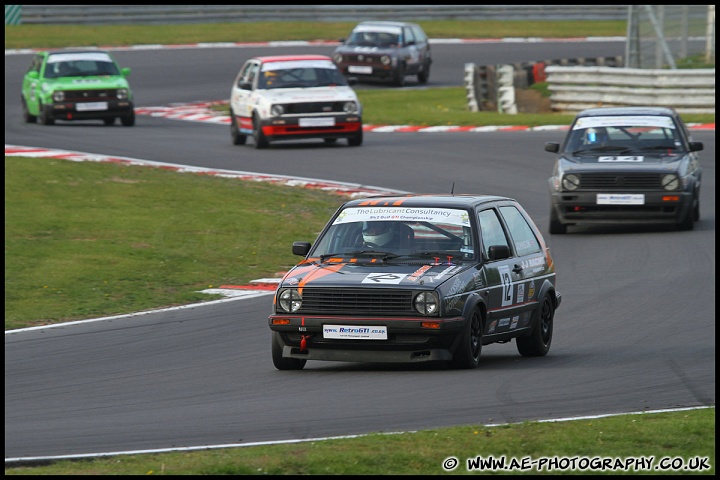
[(579, 83), (577, 88), (169, 14)]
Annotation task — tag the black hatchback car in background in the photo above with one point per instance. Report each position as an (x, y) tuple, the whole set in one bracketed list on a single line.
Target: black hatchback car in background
[(625, 165), (411, 279), (385, 51)]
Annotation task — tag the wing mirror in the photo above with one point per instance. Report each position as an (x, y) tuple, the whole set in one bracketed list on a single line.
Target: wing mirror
[(498, 252), (300, 248), (552, 147)]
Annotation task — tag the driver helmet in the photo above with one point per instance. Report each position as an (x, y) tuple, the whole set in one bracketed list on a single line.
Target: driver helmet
[(378, 233), (596, 135)]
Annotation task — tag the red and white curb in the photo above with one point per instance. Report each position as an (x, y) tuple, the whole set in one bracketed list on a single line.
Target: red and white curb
[(318, 43), (258, 287), (202, 112)]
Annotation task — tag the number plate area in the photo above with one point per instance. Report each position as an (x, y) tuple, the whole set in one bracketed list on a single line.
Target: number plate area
[(620, 199), (355, 332), (91, 106), (360, 69), (317, 122)]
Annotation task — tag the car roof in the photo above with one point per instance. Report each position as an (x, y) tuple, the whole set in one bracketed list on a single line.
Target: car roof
[(75, 51), (616, 111), (291, 58), (426, 200), (381, 23)]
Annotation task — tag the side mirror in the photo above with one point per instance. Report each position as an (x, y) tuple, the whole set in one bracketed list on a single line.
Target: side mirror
[(696, 146), (300, 248), (125, 71), (498, 252), (552, 147), (33, 74), (245, 85)]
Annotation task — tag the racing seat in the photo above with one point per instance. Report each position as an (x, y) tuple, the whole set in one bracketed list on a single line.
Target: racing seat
[(404, 235)]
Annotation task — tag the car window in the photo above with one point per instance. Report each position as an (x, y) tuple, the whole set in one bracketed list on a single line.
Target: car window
[(409, 35), (491, 230), (375, 36), (80, 65), (419, 34), (424, 232), (625, 134), (522, 234), (300, 75), (36, 64)]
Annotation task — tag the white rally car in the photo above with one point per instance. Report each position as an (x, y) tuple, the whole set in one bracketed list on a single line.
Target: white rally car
[(293, 97)]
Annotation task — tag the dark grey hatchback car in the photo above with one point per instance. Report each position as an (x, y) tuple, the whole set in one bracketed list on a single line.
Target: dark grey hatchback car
[(417, 278), (385, 51), (625, 165)]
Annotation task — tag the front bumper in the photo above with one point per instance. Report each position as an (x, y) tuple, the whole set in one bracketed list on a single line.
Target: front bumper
[(375, 72), (657, 207), (288, 128), (98, 110), (407, 341)]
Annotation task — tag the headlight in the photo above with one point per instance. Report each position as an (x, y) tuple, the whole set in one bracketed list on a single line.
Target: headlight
[(386, 59), (337, 58), (571, 182), (670, 182), (289, 300), (350, 107), (277, 110), (122, 94), (426, 303), (58, 96)]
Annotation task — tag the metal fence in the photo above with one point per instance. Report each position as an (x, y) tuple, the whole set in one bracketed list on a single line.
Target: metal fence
[(169, 14), (659, 35)]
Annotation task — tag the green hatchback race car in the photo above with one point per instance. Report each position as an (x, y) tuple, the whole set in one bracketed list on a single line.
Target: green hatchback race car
[(77, 85)]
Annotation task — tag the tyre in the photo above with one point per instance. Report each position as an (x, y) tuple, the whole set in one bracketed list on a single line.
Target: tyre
[(330, 141), (467, 355), (357, 139), (538, 343), (237, 137), (556, 227), (399, 79), (696, 209), (258, 135), (424, 74), (278, 360), (109, 121), (45, 117), (27, 118), (687, 222), (129, 119)]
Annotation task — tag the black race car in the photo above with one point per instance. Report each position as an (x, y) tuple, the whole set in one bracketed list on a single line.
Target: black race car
[(625, 165), (417, 278), (385, 51)]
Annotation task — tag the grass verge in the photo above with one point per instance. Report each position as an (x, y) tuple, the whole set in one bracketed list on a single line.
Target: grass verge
[(89, 240), (61, 36), (612, 445)]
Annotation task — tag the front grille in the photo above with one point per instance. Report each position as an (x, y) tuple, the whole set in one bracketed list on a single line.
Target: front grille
[(90, 95), (356, 301), (313, 107), (364, 59), (621, 181)]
